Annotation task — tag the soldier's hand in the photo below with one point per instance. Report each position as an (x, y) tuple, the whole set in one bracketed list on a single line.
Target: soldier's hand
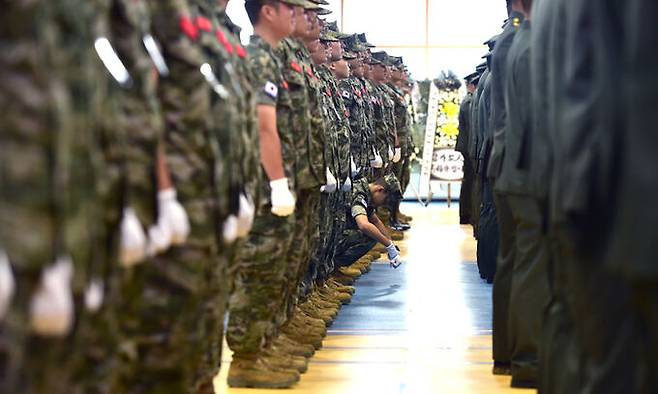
[(132, 246), (245, 215), (51, 306), (283, 202), (398, 155), (174, 216), (331, 185), (347, 185), (391, 155), (94, 295), (230, 229), (7, 284), (355, 170), (393, 255), (377, 162)]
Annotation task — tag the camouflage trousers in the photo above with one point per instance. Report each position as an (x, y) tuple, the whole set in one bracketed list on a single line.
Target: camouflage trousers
[(305, 232), (352, 245), (259, 282), (172, 319)]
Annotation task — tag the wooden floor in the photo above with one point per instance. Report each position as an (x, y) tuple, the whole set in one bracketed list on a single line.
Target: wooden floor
[(424, 328)]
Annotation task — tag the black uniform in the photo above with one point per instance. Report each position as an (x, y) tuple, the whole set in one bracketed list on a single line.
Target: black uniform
[(502, 280), (465, 197), (556, 374)]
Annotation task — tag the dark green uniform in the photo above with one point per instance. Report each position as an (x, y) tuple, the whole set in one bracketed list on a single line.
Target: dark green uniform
[(506, 250), (529, 287)]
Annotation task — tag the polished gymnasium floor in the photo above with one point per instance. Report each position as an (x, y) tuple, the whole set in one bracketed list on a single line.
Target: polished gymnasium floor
[(424, 328)]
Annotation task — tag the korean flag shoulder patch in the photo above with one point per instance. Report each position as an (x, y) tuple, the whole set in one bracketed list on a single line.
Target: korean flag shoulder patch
[(346, 95), (271, 89)]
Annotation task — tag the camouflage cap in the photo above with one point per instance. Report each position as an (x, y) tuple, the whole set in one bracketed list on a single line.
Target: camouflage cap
[(299, 3), (347, 55), (364, 40), (352, 43), (393, 187), (383, 58)]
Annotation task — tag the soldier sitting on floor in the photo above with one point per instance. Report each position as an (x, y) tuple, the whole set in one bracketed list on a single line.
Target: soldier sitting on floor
[(364, 229)]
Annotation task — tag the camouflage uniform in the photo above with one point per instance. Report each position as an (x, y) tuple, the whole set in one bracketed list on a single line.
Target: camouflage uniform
[(66, 201), (351, 92), (262, 261), (308, 178), (170, 306), (323, 255), (353, 244), (403, 132)]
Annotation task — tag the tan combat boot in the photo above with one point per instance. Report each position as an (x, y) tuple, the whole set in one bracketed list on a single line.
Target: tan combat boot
[(293, 347), (340, 287), (302, 335), (280, 359), (351, 272), (254, 373)]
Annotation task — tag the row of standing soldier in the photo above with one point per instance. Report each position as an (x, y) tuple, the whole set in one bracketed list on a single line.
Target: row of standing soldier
[(138, 199), (557, 135)]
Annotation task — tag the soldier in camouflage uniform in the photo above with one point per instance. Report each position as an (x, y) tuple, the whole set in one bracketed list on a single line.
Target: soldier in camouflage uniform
[(360, 235), (173, 346), (352, 93), (262, 261), (403, 124)]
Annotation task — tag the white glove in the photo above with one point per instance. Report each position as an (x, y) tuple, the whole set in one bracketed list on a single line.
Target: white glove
[(355, 170), (283, 202), (347, 185), (377, 162), (239, 226), (332, 184), (390, 154), (7, 284), (245, 215), (132, 249), (230, 229), (393, 255), (94, 296), (51, 307), (159, 238), (398, 155), (174, 215)]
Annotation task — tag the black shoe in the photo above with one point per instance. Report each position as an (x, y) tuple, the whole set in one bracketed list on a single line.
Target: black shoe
[(397, 226), (523, 384), (502, 369)]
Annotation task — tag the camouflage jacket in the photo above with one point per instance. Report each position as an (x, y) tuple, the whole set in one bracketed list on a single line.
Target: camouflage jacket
[(300, 116), (191, 144), (341, 127), (272, 89), (248, 151)]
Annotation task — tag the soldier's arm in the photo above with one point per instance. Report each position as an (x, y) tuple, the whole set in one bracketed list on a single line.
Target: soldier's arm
[(372, 229), (270, 144)]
